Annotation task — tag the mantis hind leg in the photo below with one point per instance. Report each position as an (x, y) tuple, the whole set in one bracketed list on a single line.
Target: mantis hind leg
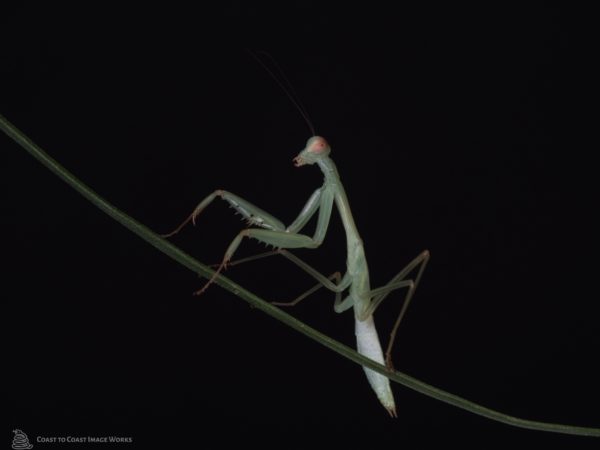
[(397, 282)]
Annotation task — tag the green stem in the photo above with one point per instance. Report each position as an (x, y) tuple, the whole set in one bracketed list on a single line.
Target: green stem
[(192, 264)]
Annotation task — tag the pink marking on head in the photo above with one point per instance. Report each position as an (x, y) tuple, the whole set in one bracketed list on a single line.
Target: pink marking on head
[(319, 145)]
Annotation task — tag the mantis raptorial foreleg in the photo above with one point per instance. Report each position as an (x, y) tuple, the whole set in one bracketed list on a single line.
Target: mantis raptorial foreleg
[(273, 232), (252, 213)]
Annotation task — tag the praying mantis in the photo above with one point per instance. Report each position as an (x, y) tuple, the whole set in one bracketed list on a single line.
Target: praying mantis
[(364, 300)]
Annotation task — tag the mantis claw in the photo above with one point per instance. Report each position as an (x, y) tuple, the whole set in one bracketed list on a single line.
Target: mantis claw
[(222, 266), (388, 363)]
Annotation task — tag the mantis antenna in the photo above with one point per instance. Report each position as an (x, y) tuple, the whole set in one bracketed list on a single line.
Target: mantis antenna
[(288, 87)]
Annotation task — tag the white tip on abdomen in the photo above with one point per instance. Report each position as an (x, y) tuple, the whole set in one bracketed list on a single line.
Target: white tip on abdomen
[(367, 344)]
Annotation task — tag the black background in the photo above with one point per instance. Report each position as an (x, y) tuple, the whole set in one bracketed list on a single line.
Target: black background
[(454, 130)]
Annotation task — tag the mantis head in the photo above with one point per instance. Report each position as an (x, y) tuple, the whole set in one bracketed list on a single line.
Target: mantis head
[(316, 149)]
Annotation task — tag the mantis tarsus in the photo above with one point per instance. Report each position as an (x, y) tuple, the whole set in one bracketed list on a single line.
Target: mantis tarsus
[(361, 297)]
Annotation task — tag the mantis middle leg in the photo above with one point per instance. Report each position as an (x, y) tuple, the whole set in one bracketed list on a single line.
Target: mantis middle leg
[(334, 282)]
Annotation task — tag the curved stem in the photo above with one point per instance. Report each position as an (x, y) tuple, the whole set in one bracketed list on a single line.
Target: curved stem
[(192, 264)]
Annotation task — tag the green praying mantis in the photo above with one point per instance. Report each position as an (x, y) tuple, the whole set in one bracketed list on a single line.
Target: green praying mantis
[(364, 300)]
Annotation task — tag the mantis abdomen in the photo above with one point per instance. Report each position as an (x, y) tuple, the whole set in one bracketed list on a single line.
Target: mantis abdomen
[(367, 344)]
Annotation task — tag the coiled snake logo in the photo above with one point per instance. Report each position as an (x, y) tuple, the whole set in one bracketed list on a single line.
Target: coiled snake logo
[(20, 441)]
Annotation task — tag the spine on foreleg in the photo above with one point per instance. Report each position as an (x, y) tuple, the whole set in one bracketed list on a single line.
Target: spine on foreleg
[(367, 343)]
